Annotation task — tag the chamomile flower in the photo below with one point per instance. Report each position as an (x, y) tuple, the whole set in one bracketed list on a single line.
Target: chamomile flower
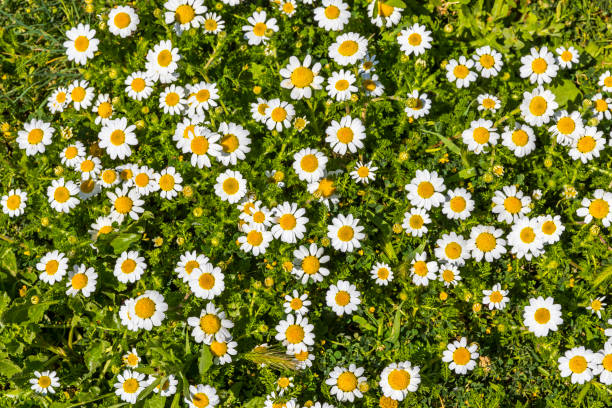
[(602, 107), (189, 262), (510, 204), (367, 65), (539, 66), (520, 140), (184, 14), (117, 137), (88, 188), (254, 240), (332, 15), (418, 105), (487, 61), (201, 96), (602, 364), (295, 333), (398, 379), (223, 351), (381, 273), (296, 303), (458, 205), (538, 106), (172, 100), (567, 57), (279, 114), (207, 281), (131, 358), (542, 316), (129, 385), (348, 48), (422, 271), (488, 102), (289, 222), (125, 314), (340, 85), (144, 180), (308, 263), (452, 248), (449, 274), (587, 145), (169, 182), (230, 186), (45, 382), (202, 143), (61, 195), (81, 44), (148, 310), (486, 242), (123, 21), (109, 178), (364, 172), (162, 62), (138, 85), (415, 39), (35, 136), (259, 217), (345, 382), (415, 220), (125, 202), (58, 100), (309, 164), (129, 267), (481, 134), (387, 15), (213, 23), (167, 388), (345, 233), (568, 127), (81, 94), (234, 143), (259, 28), (462, 358), (496, 298), (259, 109), (89, 167), (550, 228), (598, 208), (103, 107), (596, 306), (304, 360), (347, 134), (343, 298), (577, 364), (301, 78), (103, 225), (325, 190), (605, 81), (81, 280), (52, 266), (372, 86), (287, 7), (425, 189), (14, 202), (459, 72)]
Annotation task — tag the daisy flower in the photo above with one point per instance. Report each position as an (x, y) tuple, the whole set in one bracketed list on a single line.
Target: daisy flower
[(345, 233), (425, 189), (279, 114), (81, 279), (125, 202), (462, 358), (301, 78), (520, 140), (296, 303), (223, 351), (460, 73), (53, 266), (123, 21), (372, 86), (495, 298), (295, 333), (167, 388), (88, 188), (102, 226), (172, 100), (344, 382), (258, 110), (162, 61), (340, 85), (307, 263), (510, 204), (415, 39), (234, 143), (398, 379), (480, 135), (129, 385), (309, 164), (213, 23), (452, 248), (184, 14), (602, 364), (255, 240), (598, 208), (343, 298), (61, 195), (567, 57), (487, 61), (259, 217), (202, 143), (568, 127), (577, 364), (138, 85), (488, 102), (287, 7), (103, 107), (283, 384), (169, 182), (486, 242), (367, 65), (542, 316), (58, 100), (201, 96), (422, 271), (415, 220), (381, 273), (386, 15), (148, 310), (588, 145), (117, 137), (89, 167), (596, 306), (189, 262), (348, 49), (602, 107), (129, 267), (256, 32), (145, 180), (325, 190), (539, 66), (131, 358), (207, 281), (231, 186), (418, 105), (35, 135), (363, 172), (459, 204), (14, 203), (333, 15), (289, 223), (550, 228), (347, 134), (449, 274), (44, 383), (538, 106), (304, 360), (81, 94), (605, 81), (81, 44)]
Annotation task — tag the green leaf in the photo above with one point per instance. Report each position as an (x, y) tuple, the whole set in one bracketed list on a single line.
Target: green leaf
[(467, 173), (156, 401), (565, 92), (9, 262), (95, 355), (450, 145), (8, 368), (604, 276), (205, 360), (363, 323), (255, 403), (123, 242), (395, 330), (395, 3)]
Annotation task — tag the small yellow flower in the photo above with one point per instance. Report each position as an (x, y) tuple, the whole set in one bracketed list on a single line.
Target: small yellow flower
[(158, 241), (477, 307), (34, 300), (288, 266), (180, 241), (44, 221), (6, 127), (23, 291), (197, 212), (364, 386), (325, 242), (498, 170), (397, 228), (58, 170), (443, 295), (403, 156), (548, 162), (269, 282), (487, 178), (187, 191), (257, 89)]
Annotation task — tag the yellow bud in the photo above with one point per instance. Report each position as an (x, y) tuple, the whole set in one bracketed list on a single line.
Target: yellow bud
[(187, 191), (269, 282), (477, 307), (44, 221), (257, 89), (180, 241), (197, 212), (34, 300), (443, 295)]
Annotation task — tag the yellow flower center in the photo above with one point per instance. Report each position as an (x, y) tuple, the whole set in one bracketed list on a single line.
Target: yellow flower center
[(342, 85), (566, 125), (416, 221), (363, 172), (71, 152), (35, 136), (487, 61), (210, 323), (141, 179), (425, 189), (278, 114), (87, 165), (347, 381), (123, 204), (296, 303), (382, 273), (79, 281), (599, 208), (496, 297), (488, 103), (200, 400), (166, 182), (596, 305), (164, 58), (132, 359), (586, 144), (13, 202), (288, 8), (172, 99), (230, 143), (309, 163), (326, 188), (566, 56), (117, 137), (310, 265), (130, 385), (538, 105), (457, 204), (461, 356), (607, 362), (601, 105), (513, 205), (203, 95), (77, 94), (60, 97), (185, 13), (348, 48), (539, 65), (481, 135), (345, 233), (301, 77), (287, 222), (542, 315), (578, 364), (105, 109), (122, 20), (259, 217), (332, 12), (206, 281), (231, 186), (384, 9), (420, 268), (608, 81), (549, 227), (294, 334), (369, 85), (81, 43), (87, 186), (128, 266), (210, 24), (254, 238), (486, 242), (51, 267), (261, 109), (44, 381), (342, 298), (345, 135), (259, 29), (399, 379), (461, 71), (190, 266), (520, 137), (107, 229), (61, 194), (218, 348), (138, 84), (448, 275), (453, 250), (145, 308)]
